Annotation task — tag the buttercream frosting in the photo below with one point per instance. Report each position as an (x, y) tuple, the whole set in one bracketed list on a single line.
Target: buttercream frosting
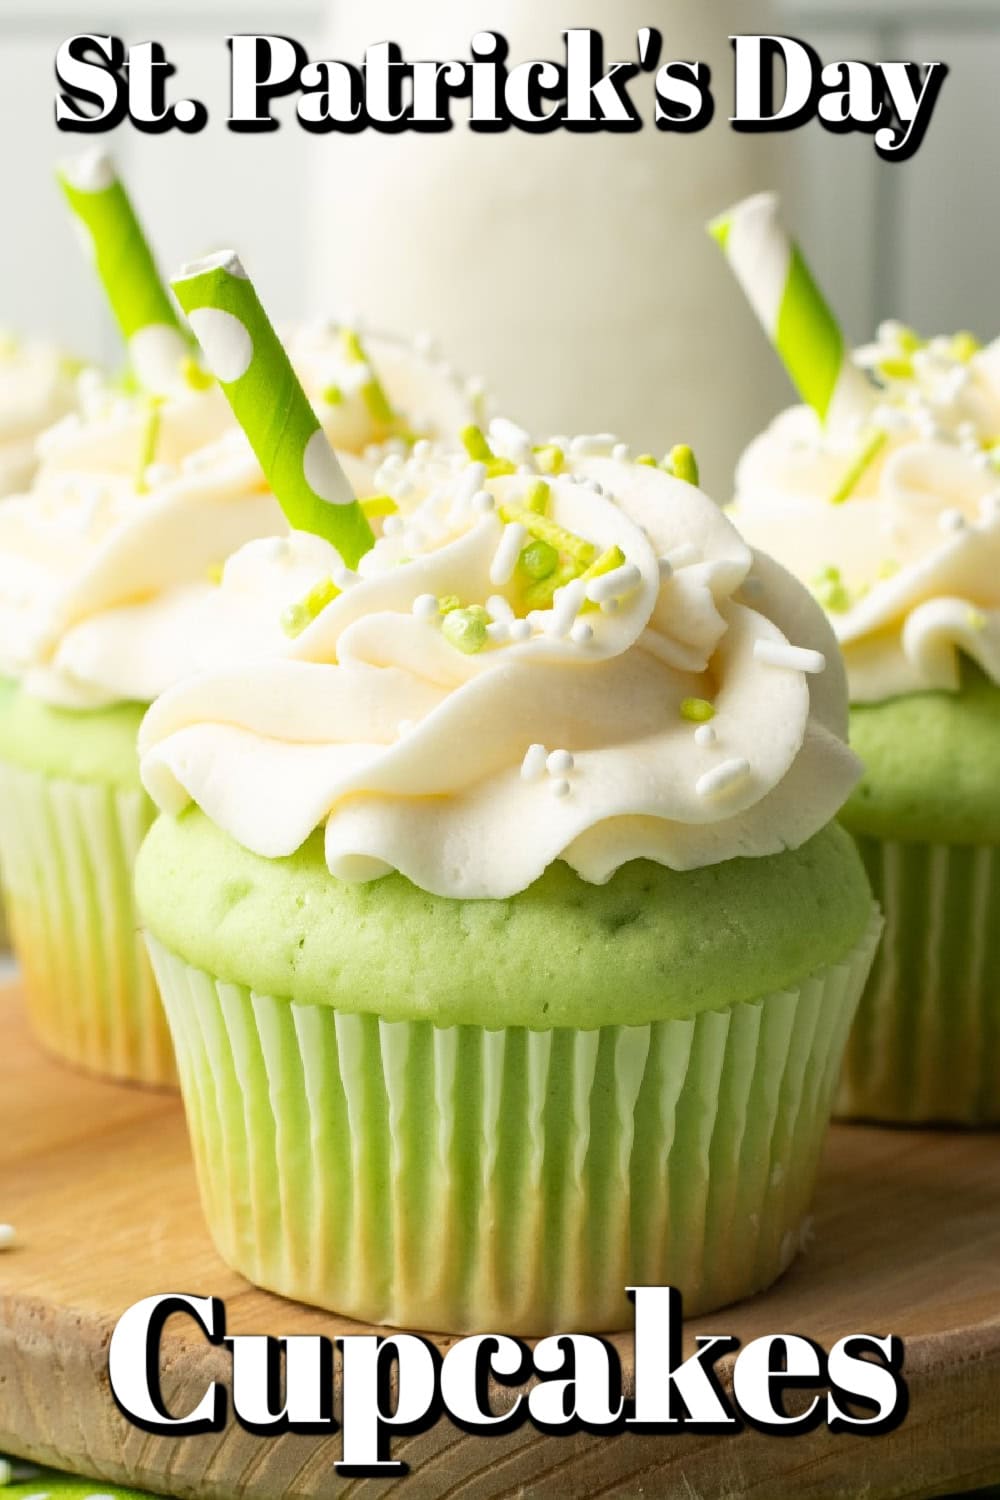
[(37, 387)]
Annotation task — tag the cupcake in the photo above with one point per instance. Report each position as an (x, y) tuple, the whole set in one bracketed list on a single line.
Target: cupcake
[(505, 934), (892, 518)]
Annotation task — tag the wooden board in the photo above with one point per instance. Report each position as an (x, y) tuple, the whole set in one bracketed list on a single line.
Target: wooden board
[(98, 1182)]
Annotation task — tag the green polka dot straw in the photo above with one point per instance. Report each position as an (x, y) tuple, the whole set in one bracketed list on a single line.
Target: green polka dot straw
[(159, 346), (796, 318), (23, 1481), (247, 357)]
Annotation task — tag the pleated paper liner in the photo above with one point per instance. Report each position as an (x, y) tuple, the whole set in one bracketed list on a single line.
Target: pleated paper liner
[(926, 1044), (459, 1179), (69, 848)]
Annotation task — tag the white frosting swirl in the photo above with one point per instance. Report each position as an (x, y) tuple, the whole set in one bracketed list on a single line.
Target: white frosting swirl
[(908, 565), (419, 757), (106, 588), (37, 387)]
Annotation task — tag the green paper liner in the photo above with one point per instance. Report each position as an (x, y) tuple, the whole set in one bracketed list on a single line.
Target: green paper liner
[(925, 1047), (69, 848), (460, 1179)]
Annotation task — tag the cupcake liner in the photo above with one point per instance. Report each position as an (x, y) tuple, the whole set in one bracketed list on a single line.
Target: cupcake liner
[(461, 1179), (926, 1044), (69, 848)]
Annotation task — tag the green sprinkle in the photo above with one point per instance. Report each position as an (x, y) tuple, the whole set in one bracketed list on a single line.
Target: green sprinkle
[(150, 438), (682, 464), (465, 629), (963, 346), (214, 573), (538, 560), (830, 591), (581, 551), (379, 505), (447, 603), (869, 450), (895, 369), (480, 452), (908, 339), (647, 460), (373, 392), (697, 710), (539, 595), (195, 377), (536, 496), (977, 620), (613, 558), (549, 458), (333, 395), (296, 617)]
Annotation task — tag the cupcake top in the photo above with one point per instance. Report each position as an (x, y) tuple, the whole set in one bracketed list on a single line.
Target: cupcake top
[(37, 387), (110, 563), (545, 656), (895, 523)]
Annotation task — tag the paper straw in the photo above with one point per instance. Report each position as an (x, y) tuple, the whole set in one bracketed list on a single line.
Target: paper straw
[(158, 344), (796, 318), (248, 359)]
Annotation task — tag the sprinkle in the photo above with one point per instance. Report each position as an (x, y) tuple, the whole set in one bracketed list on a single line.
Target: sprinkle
[(951, 520), (581, 634), (533, 764), (519, 630), (150, 438), (393, 526), (538, 560), (539, 595), (448, 602), (622, 452), (470, 482), (898, 367), (214, 573), (372, 390), (795, 658), (647, 460), (376, 506), (8, 1236), (581, 551), (479, 450), (536, 497), (333, 395), (608, 562), (497, 632), (465, 629), (498, 608), (592, 443), (560, 788), (831, 592), (511, 441), (559, 763), (697, 710), (614, 585), (722, 778), (298, 616), (194, 376), (508, 551), (871, 446), (963, 346), (549, 458), (892, 332), (483, 503), (704, 736), (566, 606), (423, 448), (425, 607), (683, 464)]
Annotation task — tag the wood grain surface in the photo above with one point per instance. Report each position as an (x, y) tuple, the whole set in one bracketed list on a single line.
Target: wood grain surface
[(98, 1182)]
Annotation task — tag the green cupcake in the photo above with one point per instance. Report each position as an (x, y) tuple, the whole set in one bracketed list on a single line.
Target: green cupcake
[(904, 553), (509, 950)]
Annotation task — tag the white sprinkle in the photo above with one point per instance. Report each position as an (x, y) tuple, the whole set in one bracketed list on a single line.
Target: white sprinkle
[(519, 630), (483, 502), (666, 569), (622, 452), (795, 658), (581, 634), (722, 777), (509, 440), (498, 632), (505, 557), (592, 443), (614, 585), (566, 605), (471, 481), (704, 736), (422, 448), (559, 763), (560, 788), (533, 764), (393, 526), (683, 556), (498, 608), (8, 1236), (951, 520), (425, 606)]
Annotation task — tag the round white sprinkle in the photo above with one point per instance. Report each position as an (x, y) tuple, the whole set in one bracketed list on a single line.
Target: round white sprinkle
[(533, 764), (483, 502), (498, 632), (622, 452), (8, 1236), (519, 630), (425, 606), (704, 736), (498, 608), (560, 788), (581, 634), (795, 658), (722, 778), (393, 526), (559, 763), (422, 448), (951, 520), (614, 585), (505, 557)]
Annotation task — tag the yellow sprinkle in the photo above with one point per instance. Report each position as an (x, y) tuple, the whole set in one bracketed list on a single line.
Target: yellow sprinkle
[(194, 376), (581, 551), (539, 595), (475, 444), (333, 395), (697, 710), (908, 339), (150, 438), (296, 617), (895, 369), (648, 460), (376, 506), (536, 496), (214, 573), (869, 450), (963, 346), (447, 603), (682, 463), (549, 458), (373, 392)]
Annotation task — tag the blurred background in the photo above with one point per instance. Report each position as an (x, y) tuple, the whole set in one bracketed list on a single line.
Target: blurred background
[(570, 271)]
